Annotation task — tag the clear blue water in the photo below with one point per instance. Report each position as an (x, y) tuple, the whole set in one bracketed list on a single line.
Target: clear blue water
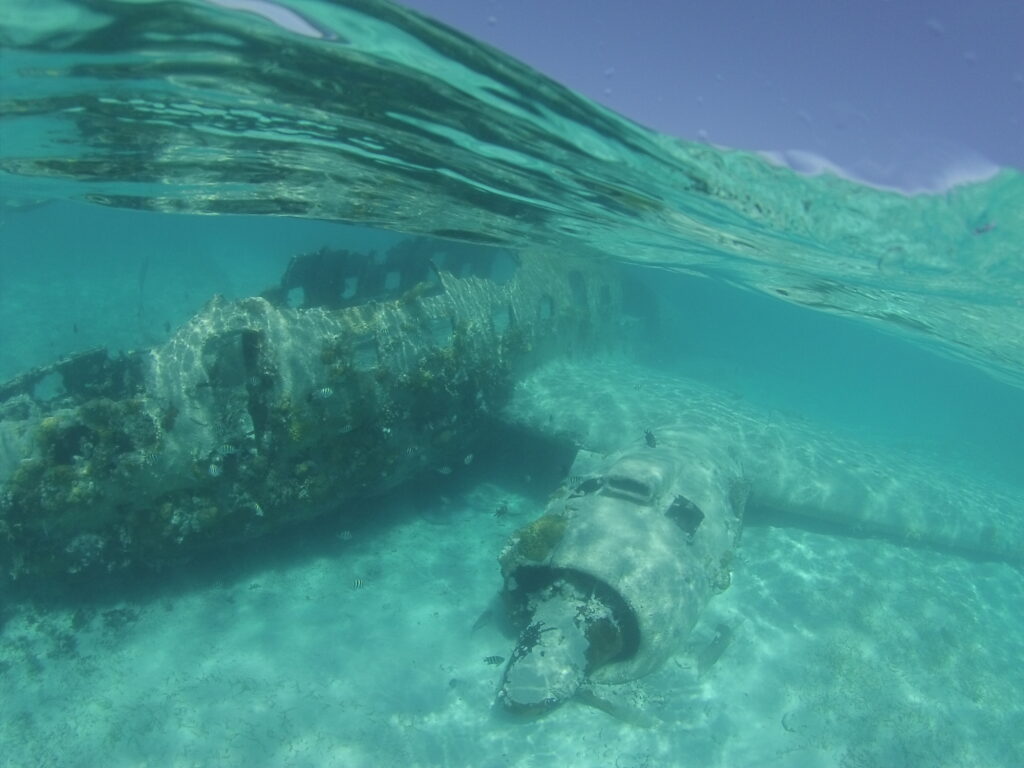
[(156, 155)]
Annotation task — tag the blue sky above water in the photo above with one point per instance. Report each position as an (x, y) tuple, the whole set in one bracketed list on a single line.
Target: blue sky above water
[(916, 95)]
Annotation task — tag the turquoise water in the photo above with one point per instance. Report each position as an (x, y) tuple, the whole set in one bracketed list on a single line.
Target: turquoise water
[(830, 335)]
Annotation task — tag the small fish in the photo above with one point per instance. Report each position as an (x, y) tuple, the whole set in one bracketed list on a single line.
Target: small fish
[(215, 470), (468, 460), (345, 536), (494, 660), (502, 510), (445, 470), (650, 439), (324, 393), (358, 583)]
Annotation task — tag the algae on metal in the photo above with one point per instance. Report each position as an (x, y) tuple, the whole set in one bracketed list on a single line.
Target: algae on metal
[(535, 541), (258, 413)]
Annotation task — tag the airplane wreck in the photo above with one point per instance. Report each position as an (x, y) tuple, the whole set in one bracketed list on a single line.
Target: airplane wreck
[(358, 372), (353, 375)]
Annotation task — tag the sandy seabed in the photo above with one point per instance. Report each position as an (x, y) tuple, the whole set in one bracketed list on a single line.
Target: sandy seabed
[(356, 647)]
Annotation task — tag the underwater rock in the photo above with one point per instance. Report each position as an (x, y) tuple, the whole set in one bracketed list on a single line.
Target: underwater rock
[(255, 414)]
